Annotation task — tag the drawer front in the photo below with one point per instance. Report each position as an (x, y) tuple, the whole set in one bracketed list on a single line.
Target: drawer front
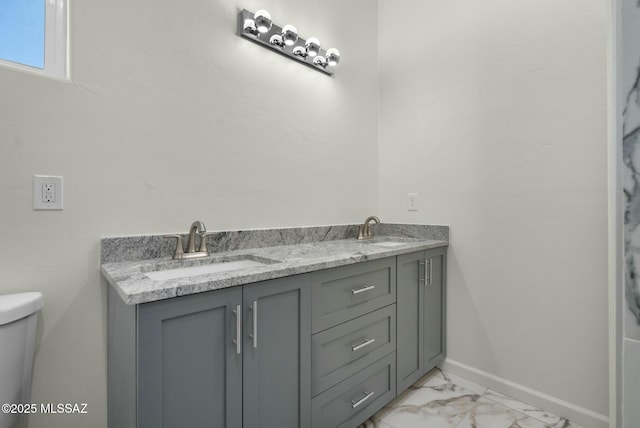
[(343, 293), (345, 349), (353, 401)]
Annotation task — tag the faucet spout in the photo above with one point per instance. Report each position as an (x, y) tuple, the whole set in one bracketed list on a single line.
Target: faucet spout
[(373, 218), (365, 232), (196, 227)]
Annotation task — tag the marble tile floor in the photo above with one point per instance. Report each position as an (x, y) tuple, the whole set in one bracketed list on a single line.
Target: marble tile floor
[(442, 400)]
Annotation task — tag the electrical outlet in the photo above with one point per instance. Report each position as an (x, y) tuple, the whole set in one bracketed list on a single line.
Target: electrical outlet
[(47, 192), (412, 201)]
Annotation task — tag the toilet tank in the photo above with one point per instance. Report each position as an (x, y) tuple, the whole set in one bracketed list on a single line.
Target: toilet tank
[(18, 320)]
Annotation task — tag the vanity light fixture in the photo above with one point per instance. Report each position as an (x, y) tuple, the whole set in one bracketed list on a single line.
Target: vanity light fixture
[(259, 28)]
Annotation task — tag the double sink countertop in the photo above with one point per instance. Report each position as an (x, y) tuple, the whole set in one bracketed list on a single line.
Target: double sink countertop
[(243, 257)]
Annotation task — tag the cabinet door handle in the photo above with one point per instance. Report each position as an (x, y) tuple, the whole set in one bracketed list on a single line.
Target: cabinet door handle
[(254, 333), (422, 272), (362, 289), (238, 340), (367, 395), (430, 271), (366, 342)]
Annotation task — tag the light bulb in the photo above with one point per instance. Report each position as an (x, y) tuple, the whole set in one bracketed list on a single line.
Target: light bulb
[(300, 51), (250, 26), (312, 46), (333, 57), (276, 40), (289, 35), (320, 61), (262, 20)]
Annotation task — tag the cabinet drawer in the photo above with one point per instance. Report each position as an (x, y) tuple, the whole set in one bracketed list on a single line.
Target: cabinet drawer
[(347, 292), (354, 400), (343, 350)]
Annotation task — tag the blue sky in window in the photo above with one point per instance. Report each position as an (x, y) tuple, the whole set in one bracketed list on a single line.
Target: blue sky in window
[(22, 31)]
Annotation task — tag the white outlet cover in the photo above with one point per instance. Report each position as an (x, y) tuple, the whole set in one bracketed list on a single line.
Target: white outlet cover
[(412, 201), (39, 201)]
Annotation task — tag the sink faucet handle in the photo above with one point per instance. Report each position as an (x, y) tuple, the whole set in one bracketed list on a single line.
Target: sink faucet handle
[(179, 249), (203, 241)]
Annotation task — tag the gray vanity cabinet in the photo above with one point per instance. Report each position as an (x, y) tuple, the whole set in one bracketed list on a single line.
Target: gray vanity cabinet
[(325, 349), (183, 366), (421, 314)]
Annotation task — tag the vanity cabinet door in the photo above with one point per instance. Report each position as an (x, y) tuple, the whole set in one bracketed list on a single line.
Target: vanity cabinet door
[(421, 314), (277, 353), (189, 371), (411, 287), (434, 307)]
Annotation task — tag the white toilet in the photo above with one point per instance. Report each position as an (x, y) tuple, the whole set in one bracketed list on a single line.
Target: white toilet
[(18, 318)]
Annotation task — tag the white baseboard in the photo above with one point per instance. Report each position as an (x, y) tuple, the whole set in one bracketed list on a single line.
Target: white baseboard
[(577, 414)]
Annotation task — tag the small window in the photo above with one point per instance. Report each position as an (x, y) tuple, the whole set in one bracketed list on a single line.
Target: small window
[(33, 35)]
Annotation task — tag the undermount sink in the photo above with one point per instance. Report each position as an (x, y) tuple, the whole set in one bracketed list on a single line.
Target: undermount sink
[(208, 267), (388, 243)]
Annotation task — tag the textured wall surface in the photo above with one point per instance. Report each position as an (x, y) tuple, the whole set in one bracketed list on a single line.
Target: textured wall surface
[(171, 117)]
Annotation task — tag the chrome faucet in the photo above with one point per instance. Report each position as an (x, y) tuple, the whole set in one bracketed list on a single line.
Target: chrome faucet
[(197, 228), (365, 232)]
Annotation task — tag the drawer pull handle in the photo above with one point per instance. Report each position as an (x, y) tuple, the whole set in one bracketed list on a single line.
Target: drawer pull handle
[(254, 334), (367, 342), (367, 395), (238, 340), (362, 289)]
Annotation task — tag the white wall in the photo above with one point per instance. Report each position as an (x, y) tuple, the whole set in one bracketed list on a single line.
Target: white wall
[(495, 113), (171, 117)]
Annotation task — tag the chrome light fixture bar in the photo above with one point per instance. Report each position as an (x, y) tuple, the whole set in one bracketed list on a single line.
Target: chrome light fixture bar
[(259, 27)]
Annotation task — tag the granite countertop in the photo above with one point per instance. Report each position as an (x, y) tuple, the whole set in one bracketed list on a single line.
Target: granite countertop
[(132, 284)]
